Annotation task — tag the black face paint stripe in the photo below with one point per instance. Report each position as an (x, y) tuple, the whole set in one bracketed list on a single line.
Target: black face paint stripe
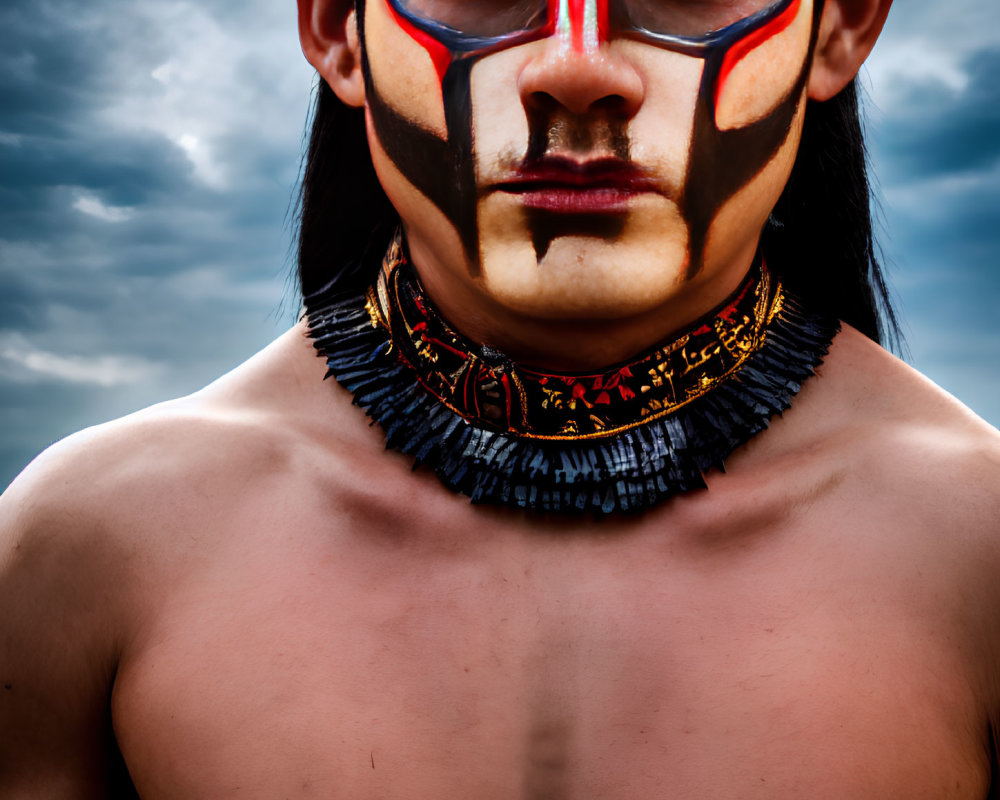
[(443, 171), (423, 157), (546, 227), (721, 162), (574, 134), (456, 90)]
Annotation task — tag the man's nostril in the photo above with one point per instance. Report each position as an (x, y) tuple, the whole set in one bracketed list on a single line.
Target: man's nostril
[(608, 84), (542, 102), (613, 103)]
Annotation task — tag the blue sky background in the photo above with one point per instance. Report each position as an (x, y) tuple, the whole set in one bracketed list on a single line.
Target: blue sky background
[(149, 152)]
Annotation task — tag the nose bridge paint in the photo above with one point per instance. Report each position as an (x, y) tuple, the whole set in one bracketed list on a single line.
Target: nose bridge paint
[(581, 25), (719, 161)]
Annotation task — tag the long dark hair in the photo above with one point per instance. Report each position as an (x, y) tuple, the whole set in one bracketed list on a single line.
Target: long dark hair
[(819, 239)]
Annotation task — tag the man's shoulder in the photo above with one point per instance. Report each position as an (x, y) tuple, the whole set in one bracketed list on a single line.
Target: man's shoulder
[(877, 389), (116, 516), (260, 421), (904, 434)]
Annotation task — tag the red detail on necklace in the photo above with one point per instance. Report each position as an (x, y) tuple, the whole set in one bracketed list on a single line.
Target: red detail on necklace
[(507, 392), (726, 313), (752, 41), (435, 342)]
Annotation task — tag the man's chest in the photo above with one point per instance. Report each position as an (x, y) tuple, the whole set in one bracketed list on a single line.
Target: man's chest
[(567, 671)]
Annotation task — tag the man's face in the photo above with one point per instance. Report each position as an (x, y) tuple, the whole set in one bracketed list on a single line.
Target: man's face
[(585, 158)]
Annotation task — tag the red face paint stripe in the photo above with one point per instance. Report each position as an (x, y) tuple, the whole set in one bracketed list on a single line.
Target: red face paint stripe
[(550, 21), (744, 46), (438, 52), (603, 20), (576, 15)]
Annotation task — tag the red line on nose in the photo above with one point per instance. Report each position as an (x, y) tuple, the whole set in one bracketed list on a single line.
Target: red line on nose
[(576, 22), (553, 15), (602, 20)]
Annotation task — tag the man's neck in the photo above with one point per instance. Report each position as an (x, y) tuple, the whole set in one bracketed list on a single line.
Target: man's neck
[(614, 440), (577, 343)]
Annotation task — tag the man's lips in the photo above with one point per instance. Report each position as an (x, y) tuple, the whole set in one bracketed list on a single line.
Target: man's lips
[(599, 186)]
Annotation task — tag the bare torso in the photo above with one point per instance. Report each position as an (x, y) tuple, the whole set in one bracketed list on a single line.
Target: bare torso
[(286, 610)]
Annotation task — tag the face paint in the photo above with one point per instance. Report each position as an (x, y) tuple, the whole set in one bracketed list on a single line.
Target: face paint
[(546, 228), (444, 171), (578, 24), (720, 162)]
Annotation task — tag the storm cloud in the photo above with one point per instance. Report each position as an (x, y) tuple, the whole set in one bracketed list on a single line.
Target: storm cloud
[(149, 153)]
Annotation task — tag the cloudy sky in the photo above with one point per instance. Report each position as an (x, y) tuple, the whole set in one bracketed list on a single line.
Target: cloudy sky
[(149, 152)]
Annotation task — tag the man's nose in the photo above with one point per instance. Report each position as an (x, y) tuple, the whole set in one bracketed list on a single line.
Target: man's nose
[(581, 82)]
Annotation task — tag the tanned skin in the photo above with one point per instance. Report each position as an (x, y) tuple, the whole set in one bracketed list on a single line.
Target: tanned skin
[(246, 595), (267, 604)]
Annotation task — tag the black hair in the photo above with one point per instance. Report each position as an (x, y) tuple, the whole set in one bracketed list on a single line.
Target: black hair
[(819, 239), (342, 210)]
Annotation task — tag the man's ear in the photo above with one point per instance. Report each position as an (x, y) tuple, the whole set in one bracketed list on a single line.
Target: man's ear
[(328, 32), (847, 33)]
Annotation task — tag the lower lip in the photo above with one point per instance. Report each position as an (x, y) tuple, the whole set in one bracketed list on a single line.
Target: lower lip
[(565, 200)]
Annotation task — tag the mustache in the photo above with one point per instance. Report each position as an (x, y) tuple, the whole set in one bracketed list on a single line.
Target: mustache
[(571, 152), (582, 138)]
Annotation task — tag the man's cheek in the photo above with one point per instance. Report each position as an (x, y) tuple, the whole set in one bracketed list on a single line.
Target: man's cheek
[(660, 134), (403, 71), (736, 223), (499, 121), (758, 81)]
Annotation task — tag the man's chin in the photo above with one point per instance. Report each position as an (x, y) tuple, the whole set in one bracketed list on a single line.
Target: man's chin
[(572, 281)]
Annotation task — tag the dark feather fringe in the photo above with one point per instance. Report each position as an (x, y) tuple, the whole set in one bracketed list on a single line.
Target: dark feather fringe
[(626, 472)]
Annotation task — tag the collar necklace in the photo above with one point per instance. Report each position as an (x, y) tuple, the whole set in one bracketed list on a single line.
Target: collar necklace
[(621, 439)]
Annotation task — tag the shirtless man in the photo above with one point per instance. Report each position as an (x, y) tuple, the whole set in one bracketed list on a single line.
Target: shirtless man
[(246, 595)]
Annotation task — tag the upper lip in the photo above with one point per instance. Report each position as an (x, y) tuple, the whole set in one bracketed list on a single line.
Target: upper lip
[(559, 172)]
